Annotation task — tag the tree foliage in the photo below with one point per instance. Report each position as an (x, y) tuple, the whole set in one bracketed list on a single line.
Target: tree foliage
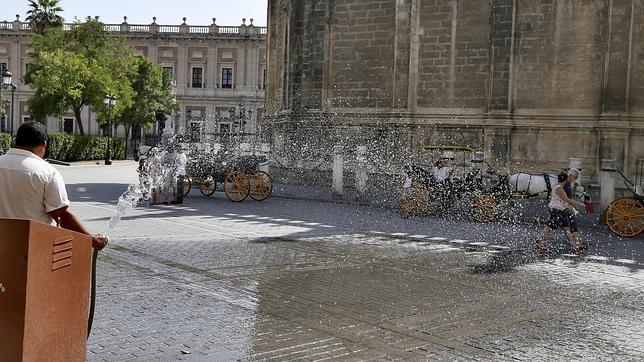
[(44, 14), (78, 68), (153, 98)]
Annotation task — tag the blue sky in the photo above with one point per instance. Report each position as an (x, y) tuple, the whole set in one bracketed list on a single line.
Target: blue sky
[(198, 12)]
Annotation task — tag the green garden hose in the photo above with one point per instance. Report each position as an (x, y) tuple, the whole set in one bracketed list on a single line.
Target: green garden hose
[(92, 298)]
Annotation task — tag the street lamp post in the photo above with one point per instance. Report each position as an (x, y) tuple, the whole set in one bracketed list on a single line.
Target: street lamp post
[(5, 108), (110, 102), (6, 83)]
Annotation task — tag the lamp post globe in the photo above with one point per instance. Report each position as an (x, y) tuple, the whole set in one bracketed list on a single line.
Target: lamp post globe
[(7, 84), (6, 77)]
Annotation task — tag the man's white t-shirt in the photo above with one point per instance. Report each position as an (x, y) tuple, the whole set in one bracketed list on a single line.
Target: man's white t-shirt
[(182, 160), (29, 187), (441, 174)]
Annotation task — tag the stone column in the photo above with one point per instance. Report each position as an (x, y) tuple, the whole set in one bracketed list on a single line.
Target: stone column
[(501, 41), (214, 28), (125, 27), (154, 27), (361, 173), (618, 57), (607, 183), (17, 23), (338, 169), (183, 28)]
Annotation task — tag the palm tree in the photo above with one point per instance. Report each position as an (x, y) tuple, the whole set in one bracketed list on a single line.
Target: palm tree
[(44, 14)]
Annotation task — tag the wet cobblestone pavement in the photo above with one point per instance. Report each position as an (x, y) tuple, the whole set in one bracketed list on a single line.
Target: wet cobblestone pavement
[(302, 280)]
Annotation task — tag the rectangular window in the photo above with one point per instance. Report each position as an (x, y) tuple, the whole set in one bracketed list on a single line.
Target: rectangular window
[(3, 123), (68, 126), (224, 128), (264, 80), (195, 132), (3, 67), (226, 77), (169, 70), (197, 77), (27, 67)]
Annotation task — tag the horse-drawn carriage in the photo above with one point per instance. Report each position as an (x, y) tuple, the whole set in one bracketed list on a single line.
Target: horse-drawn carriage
[(625, 215), (452, 178), (239, 176), (473, 186)]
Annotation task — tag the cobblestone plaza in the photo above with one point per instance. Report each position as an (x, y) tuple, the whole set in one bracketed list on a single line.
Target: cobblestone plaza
[(290, 279)]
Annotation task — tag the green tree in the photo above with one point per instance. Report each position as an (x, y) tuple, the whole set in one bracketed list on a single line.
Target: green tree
[(152, 96), (44, 14), (78, 68)]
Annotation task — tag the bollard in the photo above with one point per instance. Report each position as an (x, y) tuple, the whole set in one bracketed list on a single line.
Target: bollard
[(607, 183), (338, 168), (361, 173)]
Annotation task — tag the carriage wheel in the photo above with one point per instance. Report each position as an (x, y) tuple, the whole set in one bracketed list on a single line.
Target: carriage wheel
[(236, 186), (483, 207), (413, 200), (187, 185), (625, 217), (207, 186), (261, 186)]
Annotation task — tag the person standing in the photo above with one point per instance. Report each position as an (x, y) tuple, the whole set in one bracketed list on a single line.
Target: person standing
[(32, 189), (560, 206), (169, 176), (441, 172), (181, 161), (573, 175)]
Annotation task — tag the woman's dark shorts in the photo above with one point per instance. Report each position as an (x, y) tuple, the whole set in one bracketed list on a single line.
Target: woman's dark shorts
[(559, 218)]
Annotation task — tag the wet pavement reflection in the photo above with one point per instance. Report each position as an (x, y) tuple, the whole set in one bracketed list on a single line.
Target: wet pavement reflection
[(300, 280)]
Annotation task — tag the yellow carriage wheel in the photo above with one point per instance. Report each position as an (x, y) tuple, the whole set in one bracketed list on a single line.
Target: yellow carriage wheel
[(236, 186), (483, 207), (413, 200), (625, 217), (187, 185), (261, 186), (207, 186)]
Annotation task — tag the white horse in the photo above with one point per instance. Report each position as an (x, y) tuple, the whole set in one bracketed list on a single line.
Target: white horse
[(532, 184)]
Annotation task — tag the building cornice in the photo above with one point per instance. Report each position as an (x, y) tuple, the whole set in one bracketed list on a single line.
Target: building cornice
[(157, 31)]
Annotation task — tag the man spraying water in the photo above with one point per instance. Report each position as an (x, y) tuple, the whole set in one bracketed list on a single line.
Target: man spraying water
[(35, 190)]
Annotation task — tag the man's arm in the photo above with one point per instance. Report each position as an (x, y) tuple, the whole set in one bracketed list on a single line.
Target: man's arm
[(69, 221)]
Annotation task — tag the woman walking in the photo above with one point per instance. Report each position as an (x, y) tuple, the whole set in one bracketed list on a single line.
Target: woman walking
[(560, 208)]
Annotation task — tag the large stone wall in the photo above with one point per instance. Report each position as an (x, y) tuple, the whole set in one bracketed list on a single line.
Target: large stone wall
[(530, 82)]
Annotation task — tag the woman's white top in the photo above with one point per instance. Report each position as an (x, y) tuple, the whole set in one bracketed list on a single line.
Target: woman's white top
[(441, 174), (556, 202)]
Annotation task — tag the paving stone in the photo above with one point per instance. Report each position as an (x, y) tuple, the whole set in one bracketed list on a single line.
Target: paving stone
[(300, 280)]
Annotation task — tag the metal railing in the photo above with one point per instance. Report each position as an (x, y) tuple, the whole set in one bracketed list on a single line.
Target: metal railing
[(124, 28)]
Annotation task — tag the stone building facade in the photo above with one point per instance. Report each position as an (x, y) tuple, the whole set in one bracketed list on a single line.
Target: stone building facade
[(531, 83), (219, 73)]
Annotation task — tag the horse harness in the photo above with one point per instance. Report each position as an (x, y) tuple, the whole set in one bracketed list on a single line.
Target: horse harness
[(545, 176)]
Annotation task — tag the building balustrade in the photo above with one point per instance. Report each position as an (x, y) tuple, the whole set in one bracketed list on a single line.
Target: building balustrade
[(154, 28)]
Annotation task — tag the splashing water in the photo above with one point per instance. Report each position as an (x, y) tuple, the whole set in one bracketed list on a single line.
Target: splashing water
[(127, 201), (156, 169)]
